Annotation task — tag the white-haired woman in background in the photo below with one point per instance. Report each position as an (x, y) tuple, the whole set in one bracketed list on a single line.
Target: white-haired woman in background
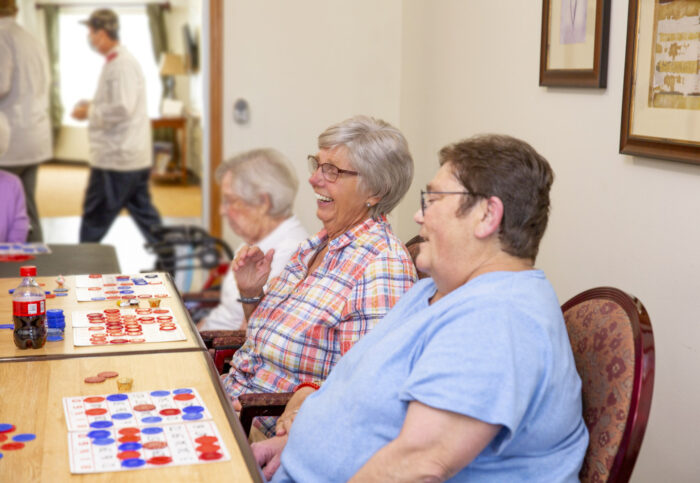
[(341, 281), (258, 188)]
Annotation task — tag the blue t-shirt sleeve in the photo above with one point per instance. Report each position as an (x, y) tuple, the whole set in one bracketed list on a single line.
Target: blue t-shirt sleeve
[(486, 364)]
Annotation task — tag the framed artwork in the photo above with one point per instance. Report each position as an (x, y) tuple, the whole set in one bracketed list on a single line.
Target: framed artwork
[(661, 94), (574, 49)]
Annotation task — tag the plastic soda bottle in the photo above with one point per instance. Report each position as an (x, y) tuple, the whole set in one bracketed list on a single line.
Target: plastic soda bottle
[(29, 311)]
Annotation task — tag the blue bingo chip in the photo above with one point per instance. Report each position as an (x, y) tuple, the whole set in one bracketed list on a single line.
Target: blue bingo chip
[(129, 447), (102, 441), (182, 391), (101, 424), (24, 437), (151, 420), (133, 463), (60, 294), (122, 416), (152, 430), (117, 397), (160, 393), (95, 298), (192, 409), (99, 434), (7, 326), (192, 416)]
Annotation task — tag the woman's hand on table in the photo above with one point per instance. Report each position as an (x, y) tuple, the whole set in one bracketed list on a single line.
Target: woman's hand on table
[(267, 454), (251, 269)]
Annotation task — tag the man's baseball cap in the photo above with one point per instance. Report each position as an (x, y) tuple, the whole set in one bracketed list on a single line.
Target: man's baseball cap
[(103, 19)]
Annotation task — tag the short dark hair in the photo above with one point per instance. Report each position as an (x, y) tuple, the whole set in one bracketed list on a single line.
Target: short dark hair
[(506, 167), (104, 19)]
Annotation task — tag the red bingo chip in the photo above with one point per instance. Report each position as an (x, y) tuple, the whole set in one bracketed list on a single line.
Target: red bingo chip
[(95, 327), (160, 460), (95, 275), (12, 446), (144, 407), (94, 288), (168, 328), (170, 411), (138, 341), (95, 315), (111, 292), (145, 296), (113, 297), (206, 439), (93, 399), (161, 295), (127, 455), (119, 341), (208, 448), (128, 430), (161, 311), (210, 456), (111, 311), (184, 397), (129, 439), (155, 444), (143, 311), (95, 411), (109, 284), (95, 342), (164, 317)]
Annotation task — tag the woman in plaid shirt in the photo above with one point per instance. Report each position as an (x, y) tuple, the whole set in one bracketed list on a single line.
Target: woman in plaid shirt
[(341, 281)]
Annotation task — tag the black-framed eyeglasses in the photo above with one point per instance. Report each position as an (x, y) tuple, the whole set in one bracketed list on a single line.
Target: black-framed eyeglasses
[(329, 171), (424, 203)]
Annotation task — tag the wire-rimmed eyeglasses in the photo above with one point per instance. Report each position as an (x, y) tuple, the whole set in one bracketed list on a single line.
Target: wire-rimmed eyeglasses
[(424, 203), (329, 171)]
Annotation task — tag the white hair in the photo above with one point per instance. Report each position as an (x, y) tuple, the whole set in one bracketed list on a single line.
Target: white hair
[(259, 173), (379, 152)]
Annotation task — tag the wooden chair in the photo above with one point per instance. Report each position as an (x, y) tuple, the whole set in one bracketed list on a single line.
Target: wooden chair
[(613, 346)]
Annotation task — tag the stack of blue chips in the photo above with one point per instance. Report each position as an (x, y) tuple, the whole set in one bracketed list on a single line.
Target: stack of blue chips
[(57, 323)]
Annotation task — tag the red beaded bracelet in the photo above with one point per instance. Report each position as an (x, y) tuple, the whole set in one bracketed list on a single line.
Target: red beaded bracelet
[(307, 384)]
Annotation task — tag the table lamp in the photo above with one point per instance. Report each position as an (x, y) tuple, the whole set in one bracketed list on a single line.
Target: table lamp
[(170, 66)]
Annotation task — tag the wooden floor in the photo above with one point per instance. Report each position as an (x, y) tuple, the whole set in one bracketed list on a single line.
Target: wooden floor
[(61, 188)]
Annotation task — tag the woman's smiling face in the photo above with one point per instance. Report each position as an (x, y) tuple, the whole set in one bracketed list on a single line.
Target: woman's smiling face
[(340, 203)]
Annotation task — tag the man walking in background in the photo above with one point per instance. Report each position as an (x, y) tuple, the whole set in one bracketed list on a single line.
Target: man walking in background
[(120, 137), (24, 100)]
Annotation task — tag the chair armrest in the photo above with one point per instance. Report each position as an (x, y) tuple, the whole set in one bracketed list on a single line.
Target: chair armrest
[(261, 404), (214, 339)]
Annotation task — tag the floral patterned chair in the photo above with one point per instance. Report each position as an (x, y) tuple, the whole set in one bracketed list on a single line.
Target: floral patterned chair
[(613, 345)]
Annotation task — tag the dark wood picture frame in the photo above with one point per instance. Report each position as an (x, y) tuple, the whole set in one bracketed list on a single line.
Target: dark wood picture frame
[(644, 145), (596, 76)]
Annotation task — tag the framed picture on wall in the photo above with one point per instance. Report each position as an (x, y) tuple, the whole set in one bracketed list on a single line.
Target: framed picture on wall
[(661, 93), (574, 48)]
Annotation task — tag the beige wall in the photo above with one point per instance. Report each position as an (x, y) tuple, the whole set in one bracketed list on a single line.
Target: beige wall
[(633, 223), (302, 66), (444, 70)]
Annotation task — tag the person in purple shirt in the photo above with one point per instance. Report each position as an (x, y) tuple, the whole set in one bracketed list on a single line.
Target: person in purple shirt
[(14, 222)]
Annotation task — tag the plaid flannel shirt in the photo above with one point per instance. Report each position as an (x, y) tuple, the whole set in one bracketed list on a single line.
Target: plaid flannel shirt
[(304, 324)]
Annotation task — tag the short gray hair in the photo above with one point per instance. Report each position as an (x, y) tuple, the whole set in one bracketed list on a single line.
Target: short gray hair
[(261, 172), (379, 152)]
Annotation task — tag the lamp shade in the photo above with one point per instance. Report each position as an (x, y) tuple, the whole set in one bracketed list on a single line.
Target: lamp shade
[(171, 64)]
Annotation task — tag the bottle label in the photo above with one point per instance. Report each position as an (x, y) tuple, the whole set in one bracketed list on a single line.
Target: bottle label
[(25, 309)]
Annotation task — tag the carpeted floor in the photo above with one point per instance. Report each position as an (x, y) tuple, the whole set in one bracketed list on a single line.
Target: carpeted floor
[(61, 187)]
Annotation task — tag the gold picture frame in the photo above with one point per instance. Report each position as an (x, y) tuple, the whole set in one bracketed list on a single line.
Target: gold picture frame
[(574, 48), (661, 93)]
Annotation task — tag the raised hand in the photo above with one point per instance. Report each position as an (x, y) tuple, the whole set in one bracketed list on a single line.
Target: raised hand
[(251, 269)]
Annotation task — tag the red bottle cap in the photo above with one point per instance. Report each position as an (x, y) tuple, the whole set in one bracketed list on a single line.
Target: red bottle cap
[(27, 271)]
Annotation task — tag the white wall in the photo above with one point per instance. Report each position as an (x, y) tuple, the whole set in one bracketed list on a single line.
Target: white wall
[(446, 70), (303, 66), (633, 223)]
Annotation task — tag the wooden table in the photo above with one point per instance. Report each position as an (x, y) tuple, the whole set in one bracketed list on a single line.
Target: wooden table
[(65, 348), (69, 259), (31, 395), (179, 124)]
